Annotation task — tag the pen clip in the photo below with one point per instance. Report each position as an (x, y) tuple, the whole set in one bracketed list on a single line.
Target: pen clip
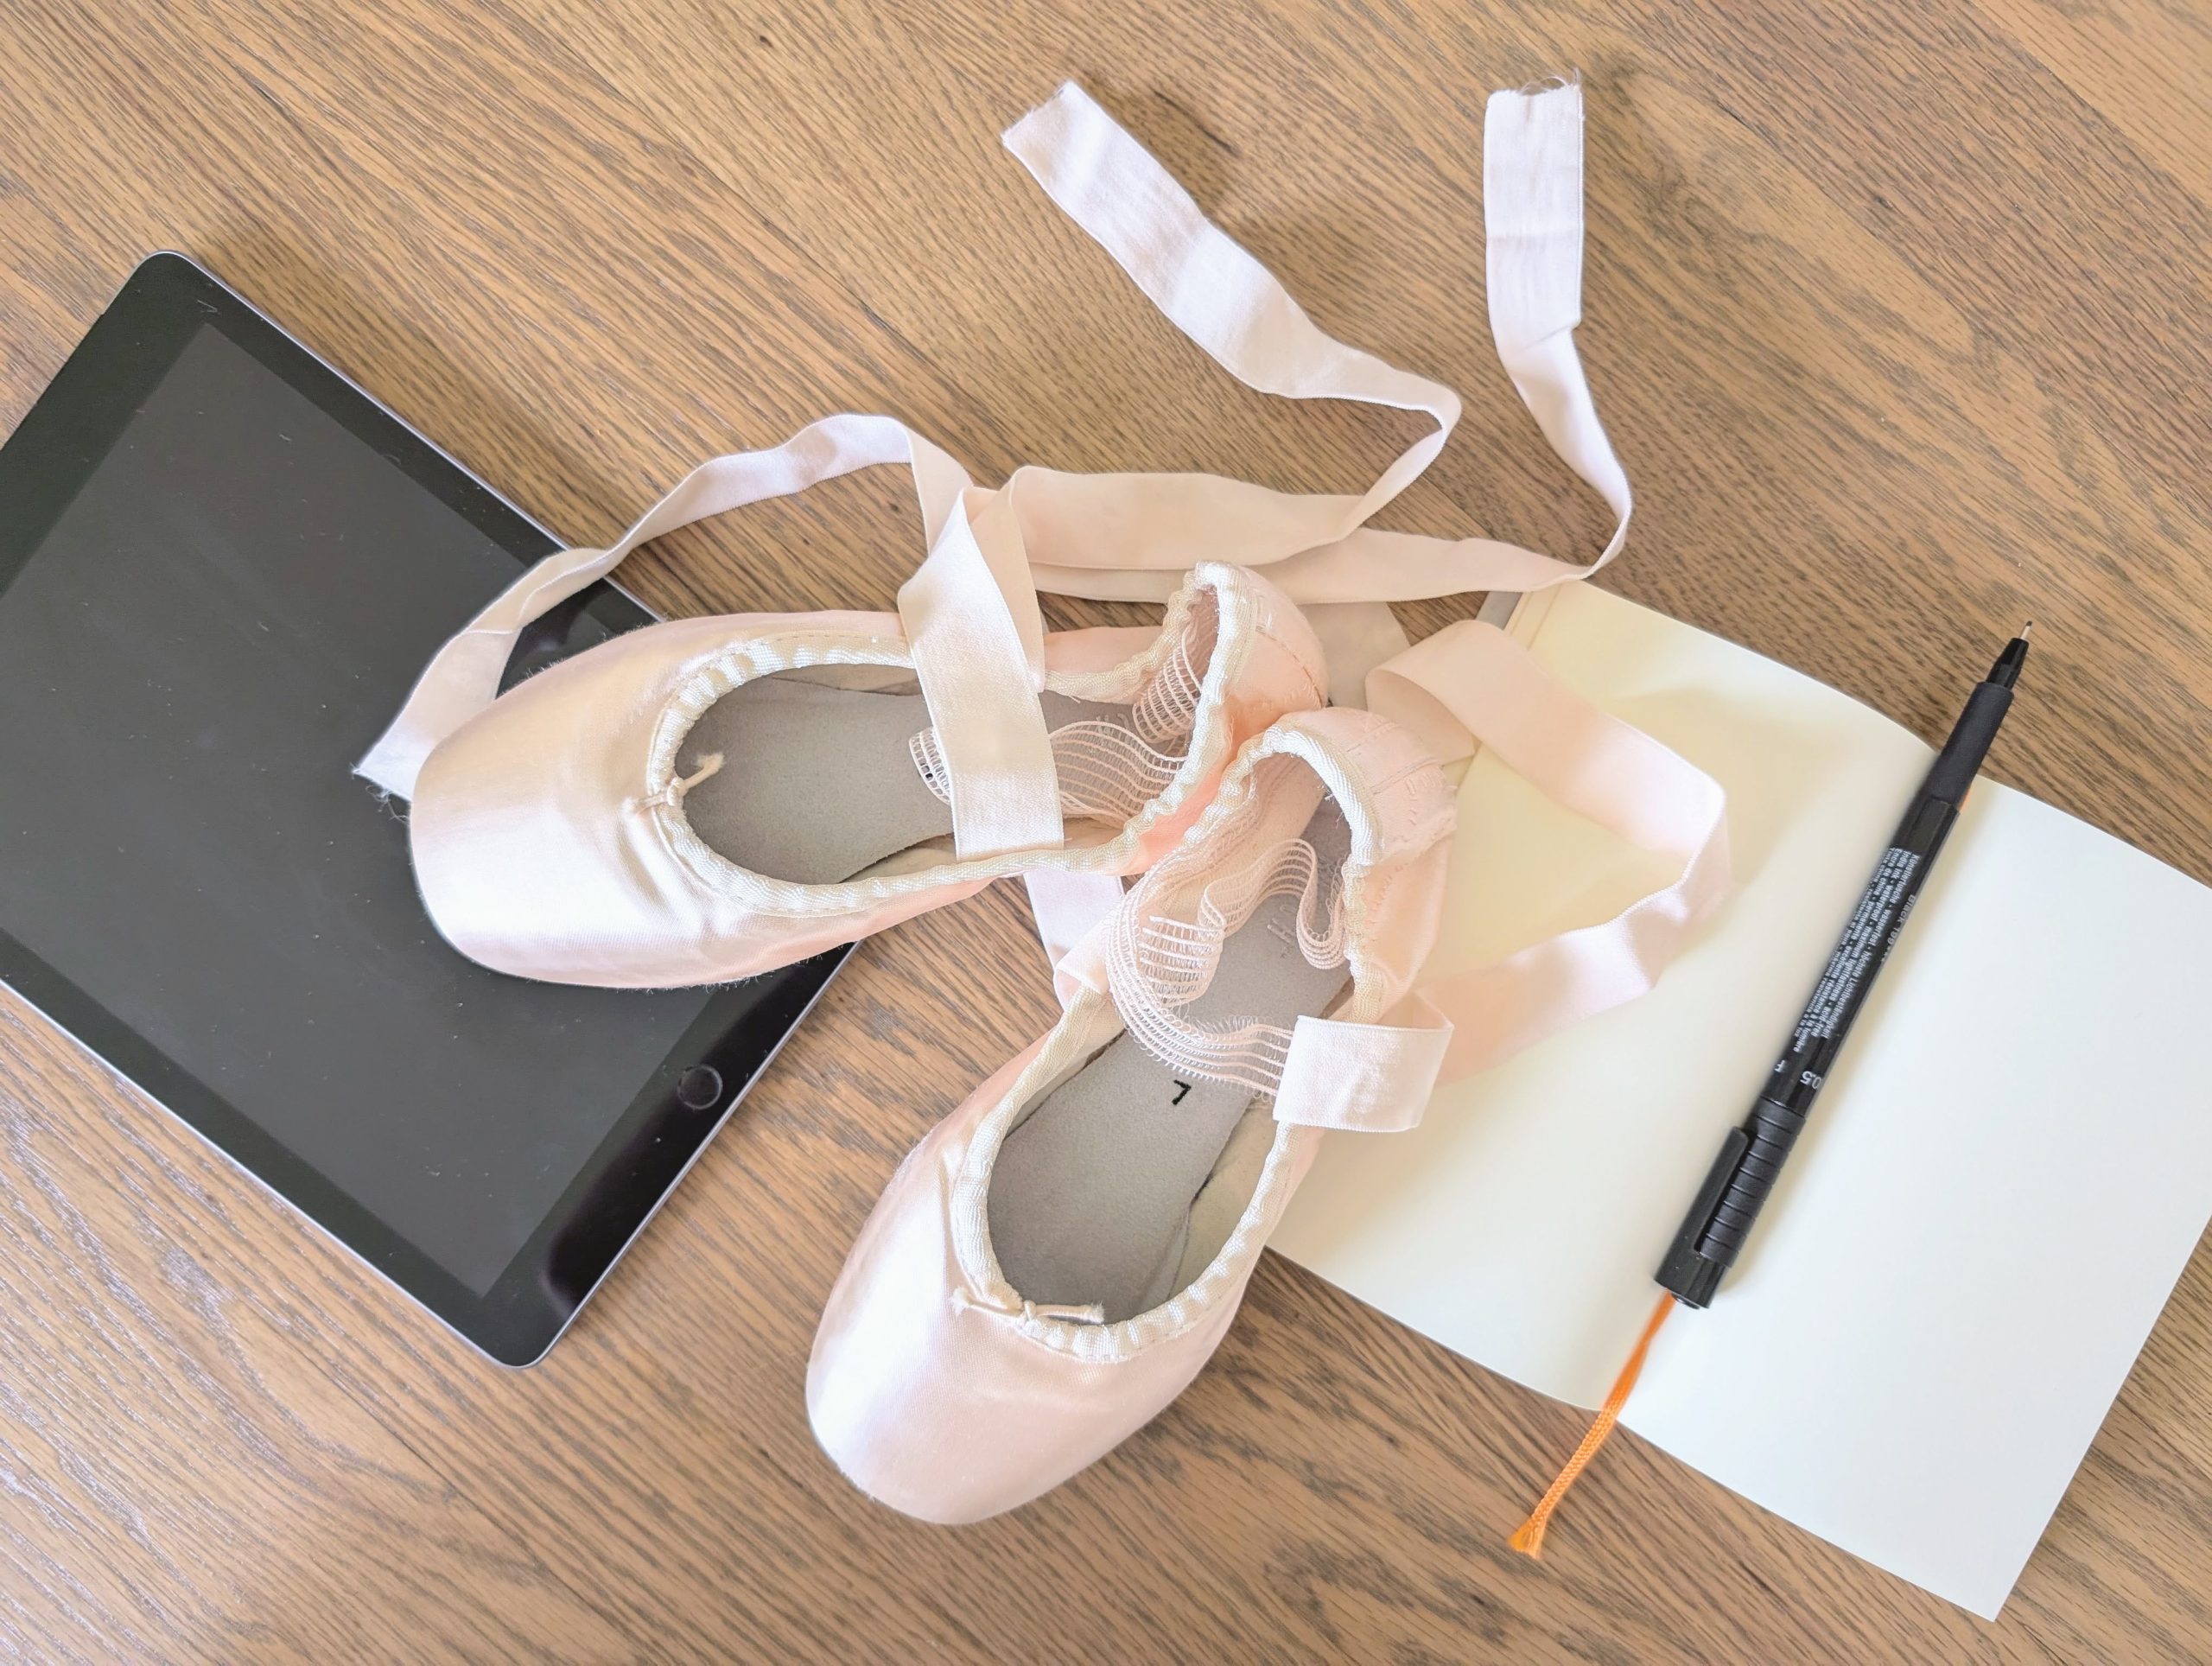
[(1691, 1277)]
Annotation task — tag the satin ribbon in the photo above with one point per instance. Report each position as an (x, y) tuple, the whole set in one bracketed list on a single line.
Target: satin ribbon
[(463, 677), (1131, 537), (1472, 687)]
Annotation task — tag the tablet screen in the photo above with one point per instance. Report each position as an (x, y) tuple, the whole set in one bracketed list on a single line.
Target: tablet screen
[(193, 652)]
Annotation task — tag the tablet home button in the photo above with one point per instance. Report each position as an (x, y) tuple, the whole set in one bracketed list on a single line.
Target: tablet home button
[(699, 1088)]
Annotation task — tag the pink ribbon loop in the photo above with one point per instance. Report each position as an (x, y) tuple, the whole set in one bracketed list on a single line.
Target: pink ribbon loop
[(1470, 685)]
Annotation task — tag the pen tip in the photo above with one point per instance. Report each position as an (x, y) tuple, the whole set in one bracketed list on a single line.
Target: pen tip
[(2025, 628)]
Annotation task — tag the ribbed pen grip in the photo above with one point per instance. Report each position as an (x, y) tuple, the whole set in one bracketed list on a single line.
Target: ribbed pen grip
[(1773, 1129)]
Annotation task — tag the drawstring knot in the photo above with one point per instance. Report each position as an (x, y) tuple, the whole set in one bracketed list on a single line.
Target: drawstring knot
[(671, 796), (964, 1299)]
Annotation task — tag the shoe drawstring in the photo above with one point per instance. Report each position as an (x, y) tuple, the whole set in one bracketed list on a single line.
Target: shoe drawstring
[(673, 795), (964, 1298)]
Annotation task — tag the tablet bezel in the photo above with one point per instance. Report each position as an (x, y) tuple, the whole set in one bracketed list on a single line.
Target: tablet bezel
[(42, 465)]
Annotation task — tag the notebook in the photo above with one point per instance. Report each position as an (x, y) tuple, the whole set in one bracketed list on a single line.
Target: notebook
[(2000, 1185)]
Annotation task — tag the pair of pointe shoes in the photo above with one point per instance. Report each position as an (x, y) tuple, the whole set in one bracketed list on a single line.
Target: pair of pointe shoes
[(709, 798)]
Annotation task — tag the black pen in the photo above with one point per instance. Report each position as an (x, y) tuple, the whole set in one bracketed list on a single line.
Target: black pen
[(1751, 1157)]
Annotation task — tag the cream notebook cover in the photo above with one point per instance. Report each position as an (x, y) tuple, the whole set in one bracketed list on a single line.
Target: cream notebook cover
[(1995, 1196)]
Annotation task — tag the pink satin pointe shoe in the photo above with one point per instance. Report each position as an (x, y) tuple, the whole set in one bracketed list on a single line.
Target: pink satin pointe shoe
[(1059, 1257), (708, 798)]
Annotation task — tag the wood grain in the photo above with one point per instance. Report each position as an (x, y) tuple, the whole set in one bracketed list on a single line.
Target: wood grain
[(1897, 311)]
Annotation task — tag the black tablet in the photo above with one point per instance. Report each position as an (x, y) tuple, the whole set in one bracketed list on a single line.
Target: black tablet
[(222, 566)]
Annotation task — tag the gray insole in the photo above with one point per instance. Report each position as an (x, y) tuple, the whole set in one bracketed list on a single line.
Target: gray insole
[(817, 783), (1091, 1198)]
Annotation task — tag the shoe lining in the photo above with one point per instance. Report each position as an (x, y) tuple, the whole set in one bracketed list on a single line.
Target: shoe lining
[(1091, 1195), (817, 784)]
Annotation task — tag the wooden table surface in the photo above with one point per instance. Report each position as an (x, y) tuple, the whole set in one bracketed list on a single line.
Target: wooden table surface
[(1898, 314)]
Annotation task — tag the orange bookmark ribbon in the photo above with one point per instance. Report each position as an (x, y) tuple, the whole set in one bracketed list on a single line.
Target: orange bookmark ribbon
[(1528, 1538)]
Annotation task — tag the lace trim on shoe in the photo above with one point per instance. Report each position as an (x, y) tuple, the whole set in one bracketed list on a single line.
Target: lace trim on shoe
[(1157, 965), (1164, 713), (1107, 771)]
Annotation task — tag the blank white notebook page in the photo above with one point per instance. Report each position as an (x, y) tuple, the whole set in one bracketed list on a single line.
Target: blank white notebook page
[(1998, 1190)]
